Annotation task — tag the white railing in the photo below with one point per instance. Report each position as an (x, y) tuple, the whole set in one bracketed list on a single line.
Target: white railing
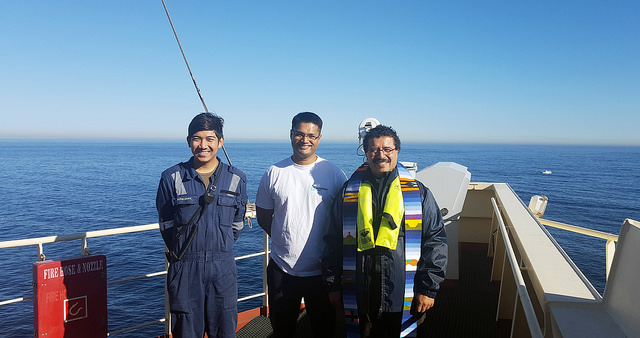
[(40, 241), (522, 294), (610, 246)]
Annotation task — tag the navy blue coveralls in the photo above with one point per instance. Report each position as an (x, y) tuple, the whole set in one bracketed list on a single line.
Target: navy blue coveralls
[(202, 285)]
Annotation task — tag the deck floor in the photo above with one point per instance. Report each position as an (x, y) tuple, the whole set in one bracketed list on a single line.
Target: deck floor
[(464, 308)]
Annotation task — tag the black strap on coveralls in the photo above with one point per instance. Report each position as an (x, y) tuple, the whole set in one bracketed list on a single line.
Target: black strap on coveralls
[(205, 200)]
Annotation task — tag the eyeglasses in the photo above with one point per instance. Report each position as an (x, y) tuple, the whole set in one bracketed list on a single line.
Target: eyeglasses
[(386, 151), (298, 135)]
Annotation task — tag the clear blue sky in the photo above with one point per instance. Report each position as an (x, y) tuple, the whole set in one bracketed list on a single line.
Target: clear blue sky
[(437, 71)]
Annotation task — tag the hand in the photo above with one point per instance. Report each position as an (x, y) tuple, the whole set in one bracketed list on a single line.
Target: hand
[(421, 304), (335, 298)]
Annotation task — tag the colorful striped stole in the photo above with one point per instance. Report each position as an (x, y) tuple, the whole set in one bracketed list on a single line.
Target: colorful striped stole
[(412, 234)]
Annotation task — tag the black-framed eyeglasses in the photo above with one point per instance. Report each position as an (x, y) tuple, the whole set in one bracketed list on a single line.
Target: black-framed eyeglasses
[(386, 151), (299, 136)]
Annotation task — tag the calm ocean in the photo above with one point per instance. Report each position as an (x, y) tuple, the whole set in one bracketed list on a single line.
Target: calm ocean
[(65, 187)]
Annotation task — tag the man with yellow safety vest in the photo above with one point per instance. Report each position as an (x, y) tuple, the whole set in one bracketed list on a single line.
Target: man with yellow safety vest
[(386, 236)]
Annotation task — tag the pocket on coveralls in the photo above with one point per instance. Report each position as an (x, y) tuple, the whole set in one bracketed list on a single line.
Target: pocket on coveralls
[(226, 209), (178, 288), (185, 207)]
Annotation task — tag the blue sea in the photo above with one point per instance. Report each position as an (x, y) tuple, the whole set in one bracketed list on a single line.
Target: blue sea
[(55, 187)]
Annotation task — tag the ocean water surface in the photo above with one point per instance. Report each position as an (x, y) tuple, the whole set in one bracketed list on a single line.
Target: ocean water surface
[(56, 187)]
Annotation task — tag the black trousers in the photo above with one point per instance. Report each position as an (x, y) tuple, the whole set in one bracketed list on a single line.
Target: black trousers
[(387, 326), (285, 296)]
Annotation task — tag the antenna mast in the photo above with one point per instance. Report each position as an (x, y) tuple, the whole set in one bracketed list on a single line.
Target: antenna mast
[(190, 73)]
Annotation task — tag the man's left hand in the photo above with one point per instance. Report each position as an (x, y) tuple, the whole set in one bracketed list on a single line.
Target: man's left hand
[(421, 304)]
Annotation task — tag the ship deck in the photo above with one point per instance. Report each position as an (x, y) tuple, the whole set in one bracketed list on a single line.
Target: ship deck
[(464, 308)]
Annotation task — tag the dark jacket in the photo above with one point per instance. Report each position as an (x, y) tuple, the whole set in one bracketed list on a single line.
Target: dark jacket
[(380, 272)]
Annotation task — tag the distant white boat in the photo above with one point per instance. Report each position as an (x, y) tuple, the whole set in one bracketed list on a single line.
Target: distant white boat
[(547, 172)]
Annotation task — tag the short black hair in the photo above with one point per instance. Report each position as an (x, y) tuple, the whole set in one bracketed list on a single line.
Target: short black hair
[(306, 117), (381, 131), (206, 121)]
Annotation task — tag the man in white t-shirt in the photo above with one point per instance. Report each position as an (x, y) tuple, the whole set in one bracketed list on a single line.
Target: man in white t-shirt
[(293, 206)]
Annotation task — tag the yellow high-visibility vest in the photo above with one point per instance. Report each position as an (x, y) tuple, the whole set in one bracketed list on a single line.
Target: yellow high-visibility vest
[(392, 214)]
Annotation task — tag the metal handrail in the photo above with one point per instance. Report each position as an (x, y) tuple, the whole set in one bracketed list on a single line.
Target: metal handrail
[(70, 237), (15, 300), (149, 275), (135, 327), (527, 305), (579, 230), (39, 241), (610, 246)]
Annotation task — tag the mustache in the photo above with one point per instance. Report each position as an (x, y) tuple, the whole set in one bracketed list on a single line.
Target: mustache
[(381, 160)]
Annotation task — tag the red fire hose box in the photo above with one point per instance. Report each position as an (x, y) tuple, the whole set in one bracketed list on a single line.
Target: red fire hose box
[(70, 297)]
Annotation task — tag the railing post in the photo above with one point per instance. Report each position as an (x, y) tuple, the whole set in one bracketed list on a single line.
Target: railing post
[(265, 261), (84, 249), (167, 308), (610, 252), (41, 256)]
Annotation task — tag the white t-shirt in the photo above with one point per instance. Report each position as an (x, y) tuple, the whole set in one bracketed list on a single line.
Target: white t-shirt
[(301, 198)]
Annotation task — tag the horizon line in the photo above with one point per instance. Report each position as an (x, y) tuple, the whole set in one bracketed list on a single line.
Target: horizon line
[(340, 141)]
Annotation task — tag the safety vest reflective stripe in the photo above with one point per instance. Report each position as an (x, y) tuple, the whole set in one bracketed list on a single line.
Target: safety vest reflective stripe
[(177, 183)]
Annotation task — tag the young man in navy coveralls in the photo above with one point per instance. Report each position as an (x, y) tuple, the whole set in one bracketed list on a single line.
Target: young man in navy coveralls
[(199, 235)]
